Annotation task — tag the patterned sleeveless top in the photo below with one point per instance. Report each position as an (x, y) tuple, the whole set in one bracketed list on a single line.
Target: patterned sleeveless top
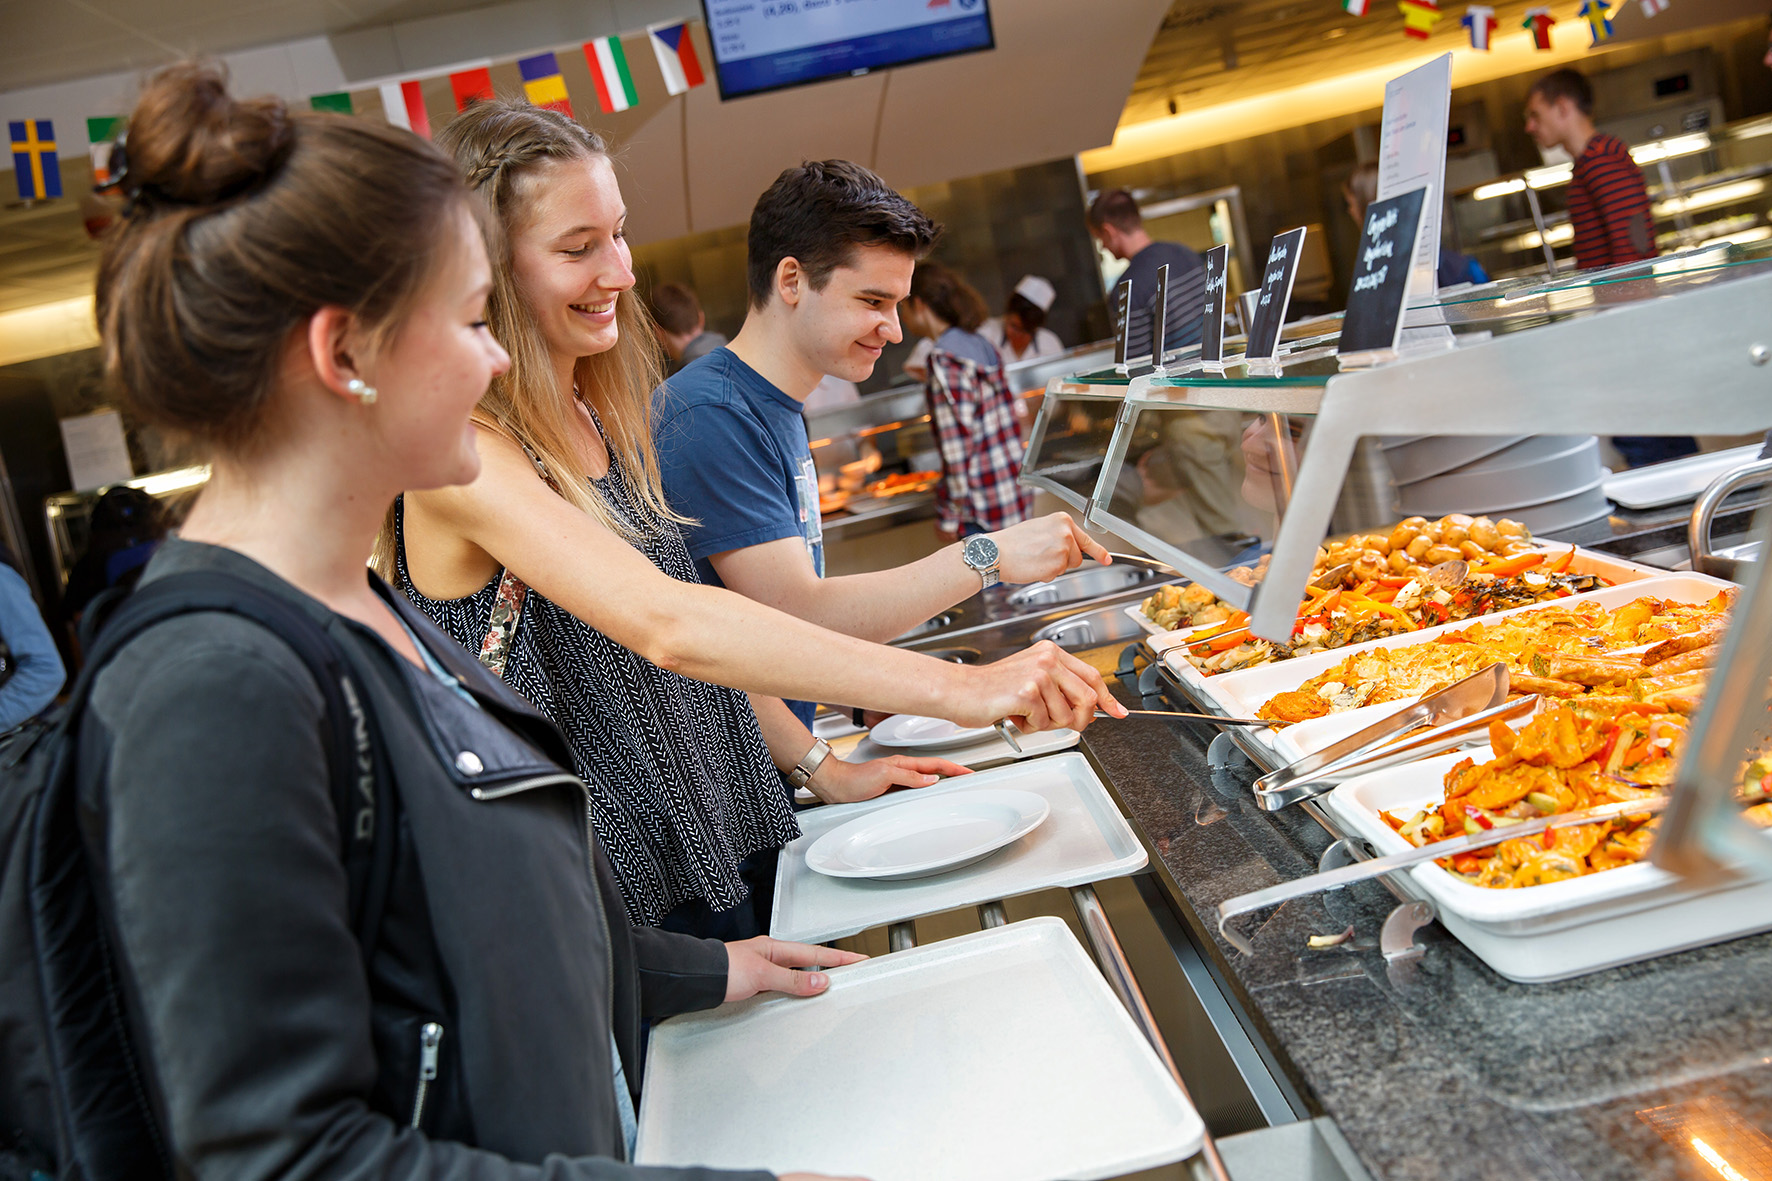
[(682, 788)]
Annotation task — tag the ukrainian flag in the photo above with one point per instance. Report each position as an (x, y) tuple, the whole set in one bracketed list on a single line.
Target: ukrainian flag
[(34, 162), (543, 84)]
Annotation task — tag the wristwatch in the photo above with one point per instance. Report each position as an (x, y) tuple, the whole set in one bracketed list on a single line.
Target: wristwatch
[(981, 554), (809, 763)]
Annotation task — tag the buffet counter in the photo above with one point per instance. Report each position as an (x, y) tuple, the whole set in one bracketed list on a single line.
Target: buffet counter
[(1439, 1069)]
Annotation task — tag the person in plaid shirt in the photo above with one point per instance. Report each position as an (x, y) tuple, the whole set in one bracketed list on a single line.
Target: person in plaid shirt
[(971, 409)]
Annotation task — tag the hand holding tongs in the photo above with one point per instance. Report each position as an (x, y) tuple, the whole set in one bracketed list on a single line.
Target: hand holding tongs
[(1473, 703), (1334, 879), (1007, 732)]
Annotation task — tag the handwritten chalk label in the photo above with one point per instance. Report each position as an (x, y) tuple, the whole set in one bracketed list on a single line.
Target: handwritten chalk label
[(1376, 300), (1276, 293), (1218, 263), (1122, 323)]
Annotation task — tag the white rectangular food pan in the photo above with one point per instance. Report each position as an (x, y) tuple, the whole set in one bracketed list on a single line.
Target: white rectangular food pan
[(1084, 839), (1562, 929), (1244, 692), (998, 1056)]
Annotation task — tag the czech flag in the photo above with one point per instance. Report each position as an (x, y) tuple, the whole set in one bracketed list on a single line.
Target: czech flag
[(543, 84), (1480, 20), (610, 74), (34, 162), (404, 105), (675, 51), (470, 86)]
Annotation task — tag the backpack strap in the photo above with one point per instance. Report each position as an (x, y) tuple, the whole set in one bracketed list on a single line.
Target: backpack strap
[(361, 787)]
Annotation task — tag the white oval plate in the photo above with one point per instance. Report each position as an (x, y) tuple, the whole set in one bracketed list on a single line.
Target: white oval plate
[(911, 732), (921, 837)]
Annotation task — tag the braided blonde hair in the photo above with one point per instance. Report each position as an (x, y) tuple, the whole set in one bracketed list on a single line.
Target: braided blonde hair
[(497, 144)]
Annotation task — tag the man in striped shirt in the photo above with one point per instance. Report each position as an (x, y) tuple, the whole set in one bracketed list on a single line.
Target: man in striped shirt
[(1608, 203), (1608, 206), (1115, 222)]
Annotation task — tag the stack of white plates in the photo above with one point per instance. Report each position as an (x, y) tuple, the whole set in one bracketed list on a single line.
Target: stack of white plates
[(1546, 482)]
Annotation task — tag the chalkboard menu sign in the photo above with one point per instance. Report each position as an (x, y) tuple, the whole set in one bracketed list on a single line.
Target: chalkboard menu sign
[(1276, 293), (1160, 317), (1122, 324), (1218, 262), (1375, 302)]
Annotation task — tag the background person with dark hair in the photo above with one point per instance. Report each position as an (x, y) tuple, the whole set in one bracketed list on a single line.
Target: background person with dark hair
[(1608, 206), (127, 526), (681, 325), (1115, 222)]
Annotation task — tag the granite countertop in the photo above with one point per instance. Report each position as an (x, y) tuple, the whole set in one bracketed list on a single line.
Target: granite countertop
[(1440, 1069)]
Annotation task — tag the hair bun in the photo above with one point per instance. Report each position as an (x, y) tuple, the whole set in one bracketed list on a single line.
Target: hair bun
[(191, 142)]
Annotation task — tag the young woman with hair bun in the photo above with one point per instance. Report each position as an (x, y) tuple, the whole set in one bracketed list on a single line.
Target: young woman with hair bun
[(303, 296), (564, 569)]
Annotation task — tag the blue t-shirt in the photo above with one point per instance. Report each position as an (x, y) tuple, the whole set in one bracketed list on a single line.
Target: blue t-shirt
[(733, 453)]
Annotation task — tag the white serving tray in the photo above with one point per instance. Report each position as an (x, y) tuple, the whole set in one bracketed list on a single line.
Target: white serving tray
[(1676, 480), (1085, 839), (997, 1056), (1243, 693), (1563, 929)]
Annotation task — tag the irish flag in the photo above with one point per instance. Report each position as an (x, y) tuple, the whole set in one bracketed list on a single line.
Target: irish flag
[(404, 105), (609, 71), (675, 51), (99, 134)]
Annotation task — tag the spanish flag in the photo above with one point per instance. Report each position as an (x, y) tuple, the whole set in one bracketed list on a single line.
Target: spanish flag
[(34, 162), (543, 84)]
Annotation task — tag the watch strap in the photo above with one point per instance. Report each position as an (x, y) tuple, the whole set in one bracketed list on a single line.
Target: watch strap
[(809, 763)]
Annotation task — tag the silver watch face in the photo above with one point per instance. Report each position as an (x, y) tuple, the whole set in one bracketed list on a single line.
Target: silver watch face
[(980, 553)]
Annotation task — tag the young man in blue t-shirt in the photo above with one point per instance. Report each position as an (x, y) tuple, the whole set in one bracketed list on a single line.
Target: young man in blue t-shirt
[(831, 252)]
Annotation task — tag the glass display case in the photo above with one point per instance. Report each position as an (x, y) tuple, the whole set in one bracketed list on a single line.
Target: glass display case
[(1706, 187), (1675, 346)]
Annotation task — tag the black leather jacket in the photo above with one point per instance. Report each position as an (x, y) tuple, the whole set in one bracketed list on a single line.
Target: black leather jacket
[(270, 1052)]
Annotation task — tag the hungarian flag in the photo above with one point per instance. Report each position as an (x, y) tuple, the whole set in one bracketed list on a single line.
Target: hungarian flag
[(1354, 7), (99, 135), (1598, 15), (404, 105), (1653, 7), (675, 51), (1419, 17), (1480, 20), (470, 86), (543, 84), (338, 104), (609, 71), (1539, 20)]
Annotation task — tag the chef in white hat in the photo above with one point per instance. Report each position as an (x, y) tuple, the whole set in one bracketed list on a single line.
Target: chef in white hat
[(1020, 333)]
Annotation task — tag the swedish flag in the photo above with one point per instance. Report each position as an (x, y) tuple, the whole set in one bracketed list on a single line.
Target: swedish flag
[(34, 162)]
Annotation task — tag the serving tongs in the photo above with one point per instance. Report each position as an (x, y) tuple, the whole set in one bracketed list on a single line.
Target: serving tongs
[(1456, 712), (1360, 871)]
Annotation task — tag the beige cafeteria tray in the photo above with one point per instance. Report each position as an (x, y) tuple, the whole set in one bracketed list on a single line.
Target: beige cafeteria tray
[(997, 1056), (1084, 839)]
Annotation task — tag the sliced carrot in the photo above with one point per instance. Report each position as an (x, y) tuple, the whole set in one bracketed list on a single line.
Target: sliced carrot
[(1561, 565), (1503, 567)]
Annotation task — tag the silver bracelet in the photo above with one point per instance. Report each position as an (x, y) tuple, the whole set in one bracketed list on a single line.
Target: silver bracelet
[(809, 763)]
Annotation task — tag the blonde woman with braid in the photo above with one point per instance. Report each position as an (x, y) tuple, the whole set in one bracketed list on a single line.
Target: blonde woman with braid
[(565, 570)]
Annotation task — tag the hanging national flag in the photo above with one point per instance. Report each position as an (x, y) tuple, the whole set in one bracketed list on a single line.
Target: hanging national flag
[(1539, 20), (34, 162), (1419, 17), (404, 105), (471, 86), (543, 84), (1598, 15), (1653, 7), (675, 51), (1354, 7), (338, 104), (99, 134), (609, 70), (1480, 20)]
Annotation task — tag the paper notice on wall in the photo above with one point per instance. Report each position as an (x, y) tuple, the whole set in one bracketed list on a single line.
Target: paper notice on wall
[(1412, 155), (96, 450)]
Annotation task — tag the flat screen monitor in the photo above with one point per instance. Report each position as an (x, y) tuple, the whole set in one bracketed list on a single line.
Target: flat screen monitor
[(762, 45)]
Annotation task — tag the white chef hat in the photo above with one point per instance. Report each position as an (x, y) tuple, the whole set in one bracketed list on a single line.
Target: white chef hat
[(1037, 291)]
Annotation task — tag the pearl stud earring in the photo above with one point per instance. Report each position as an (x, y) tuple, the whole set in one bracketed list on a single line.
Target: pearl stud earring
[(364, 391)]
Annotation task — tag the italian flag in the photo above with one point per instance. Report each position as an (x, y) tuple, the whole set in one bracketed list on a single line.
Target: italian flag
[(99, 134), (609, 71), (404, 105), (1354, 7)]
